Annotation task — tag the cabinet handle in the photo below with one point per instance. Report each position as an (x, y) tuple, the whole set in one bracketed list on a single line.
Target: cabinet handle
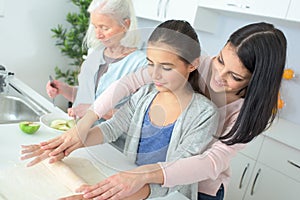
[(294, 164), (238, 5), (254, 182), (166, 7), (158, 8), (243, 175)]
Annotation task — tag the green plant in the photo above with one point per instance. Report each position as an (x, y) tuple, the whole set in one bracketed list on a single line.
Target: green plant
[(69, 41)]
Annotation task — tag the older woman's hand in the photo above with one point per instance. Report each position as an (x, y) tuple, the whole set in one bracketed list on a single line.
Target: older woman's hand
[(79, 110)]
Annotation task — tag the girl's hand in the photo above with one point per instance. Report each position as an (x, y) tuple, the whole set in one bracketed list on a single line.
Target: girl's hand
[(56, 148), (65, 143), (31, 151)]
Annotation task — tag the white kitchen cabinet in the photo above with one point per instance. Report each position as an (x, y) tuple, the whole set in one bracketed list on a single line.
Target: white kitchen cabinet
[(293, 12), (242, 168), (267, 183), (162, 10), (271, 172), (148, 9), (267, 8)]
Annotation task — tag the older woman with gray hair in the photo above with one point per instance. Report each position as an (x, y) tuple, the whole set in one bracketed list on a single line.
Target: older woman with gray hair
[(112, 40)]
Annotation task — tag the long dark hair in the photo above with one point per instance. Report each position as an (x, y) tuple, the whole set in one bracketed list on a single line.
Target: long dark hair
[(262, 49), (182, 37)]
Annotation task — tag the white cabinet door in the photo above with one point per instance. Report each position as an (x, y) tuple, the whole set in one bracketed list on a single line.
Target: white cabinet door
[(241, 170), (293, 12), (267, 8), (162, 10), (178, 9), (267, 183), (149, 9)]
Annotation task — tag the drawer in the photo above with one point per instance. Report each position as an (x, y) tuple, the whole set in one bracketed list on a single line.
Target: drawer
[(281, 157)]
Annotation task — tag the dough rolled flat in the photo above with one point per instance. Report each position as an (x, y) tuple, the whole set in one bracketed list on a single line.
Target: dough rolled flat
[(45, 181), (64, 174)]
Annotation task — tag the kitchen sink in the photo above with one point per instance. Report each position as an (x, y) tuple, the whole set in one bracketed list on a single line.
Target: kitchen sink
[(16, 106)]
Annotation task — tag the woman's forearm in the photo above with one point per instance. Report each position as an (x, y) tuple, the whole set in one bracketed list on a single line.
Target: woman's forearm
[(143, 193), (120, 89), (208, 165), (69, 92), (85, 123), (151, 173)]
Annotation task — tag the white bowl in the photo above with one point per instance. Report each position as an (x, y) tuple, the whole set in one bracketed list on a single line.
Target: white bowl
[(48, 118)]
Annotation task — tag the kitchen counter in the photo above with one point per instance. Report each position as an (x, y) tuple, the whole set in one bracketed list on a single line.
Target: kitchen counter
[(105, 157)]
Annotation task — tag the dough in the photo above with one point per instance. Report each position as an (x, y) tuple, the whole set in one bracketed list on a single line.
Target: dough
[(46, 181)]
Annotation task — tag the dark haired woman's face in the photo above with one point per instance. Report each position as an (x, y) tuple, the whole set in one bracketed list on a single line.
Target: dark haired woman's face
[(228, 72)]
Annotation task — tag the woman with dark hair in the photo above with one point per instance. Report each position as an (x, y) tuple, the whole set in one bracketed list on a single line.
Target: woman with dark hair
[(243, 80)]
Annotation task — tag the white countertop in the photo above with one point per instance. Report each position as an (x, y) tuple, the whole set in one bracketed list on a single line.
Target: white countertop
[(110, 159), (105, 156), (285, 132)]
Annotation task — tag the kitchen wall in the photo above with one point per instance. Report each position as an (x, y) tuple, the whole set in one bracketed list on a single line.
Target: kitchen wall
[(28, 49), (26, 44)]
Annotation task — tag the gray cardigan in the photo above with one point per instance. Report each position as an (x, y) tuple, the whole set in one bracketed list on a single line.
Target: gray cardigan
[(192, 132)]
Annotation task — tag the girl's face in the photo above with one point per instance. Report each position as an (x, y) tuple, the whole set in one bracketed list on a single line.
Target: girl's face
[(168, 71), (229, 75), (107, 29)]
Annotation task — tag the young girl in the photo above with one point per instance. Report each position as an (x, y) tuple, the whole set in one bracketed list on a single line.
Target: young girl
[(167, 119), (248, 71)]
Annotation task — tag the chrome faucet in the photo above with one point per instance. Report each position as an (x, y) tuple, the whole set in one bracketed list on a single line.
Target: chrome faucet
[(3, 79)]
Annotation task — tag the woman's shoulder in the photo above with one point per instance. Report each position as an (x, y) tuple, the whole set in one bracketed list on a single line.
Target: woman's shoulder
[(203, 103), (138, 54), (96, 56)]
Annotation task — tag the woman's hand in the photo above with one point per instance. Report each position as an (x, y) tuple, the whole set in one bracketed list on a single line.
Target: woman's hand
[(78, 111), (53, 88), (74, 197), (122, 185), (56, 87)]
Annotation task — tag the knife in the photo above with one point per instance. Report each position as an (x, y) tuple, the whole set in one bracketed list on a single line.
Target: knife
[(52, 85)]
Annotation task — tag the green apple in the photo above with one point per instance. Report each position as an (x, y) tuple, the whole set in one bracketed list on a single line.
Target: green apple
[(29, 127)]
